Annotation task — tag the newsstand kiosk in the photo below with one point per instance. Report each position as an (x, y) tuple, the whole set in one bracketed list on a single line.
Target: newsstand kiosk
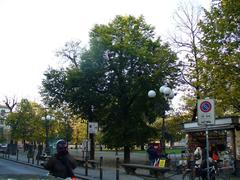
[(224, 136)]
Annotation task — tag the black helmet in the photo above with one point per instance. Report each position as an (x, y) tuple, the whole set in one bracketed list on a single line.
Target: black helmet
[(61, 146)]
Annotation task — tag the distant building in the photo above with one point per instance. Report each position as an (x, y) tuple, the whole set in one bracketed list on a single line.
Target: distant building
[(4, 129)]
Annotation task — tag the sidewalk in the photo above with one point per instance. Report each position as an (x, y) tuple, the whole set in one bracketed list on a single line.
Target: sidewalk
[(108, 173)]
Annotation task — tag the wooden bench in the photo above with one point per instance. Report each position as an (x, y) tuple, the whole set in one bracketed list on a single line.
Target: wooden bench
[(155, 171), (82, 162)]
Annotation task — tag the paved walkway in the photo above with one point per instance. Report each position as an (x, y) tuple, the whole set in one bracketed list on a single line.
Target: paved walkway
[(109, 171)]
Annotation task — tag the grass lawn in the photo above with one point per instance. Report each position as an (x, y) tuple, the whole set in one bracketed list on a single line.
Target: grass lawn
[(174, 151)]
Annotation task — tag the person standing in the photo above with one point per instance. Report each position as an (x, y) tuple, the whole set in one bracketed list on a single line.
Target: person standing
[(198, 158), (39, 152), (152, 154)]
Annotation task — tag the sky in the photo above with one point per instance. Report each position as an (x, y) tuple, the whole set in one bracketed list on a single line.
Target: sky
[(32, 30)]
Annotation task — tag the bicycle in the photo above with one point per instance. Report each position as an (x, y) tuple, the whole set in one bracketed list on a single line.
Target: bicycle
[(191, 172), (196, 172)]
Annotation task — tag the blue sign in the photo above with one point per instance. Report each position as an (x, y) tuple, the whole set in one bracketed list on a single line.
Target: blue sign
[(205, 106), (205, 111)]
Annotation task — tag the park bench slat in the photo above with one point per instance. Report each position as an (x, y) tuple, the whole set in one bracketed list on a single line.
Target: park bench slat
[(156, 171), (82, 162)]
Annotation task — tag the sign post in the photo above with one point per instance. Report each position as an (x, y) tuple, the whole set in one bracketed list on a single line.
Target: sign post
[(93, 127), (206, 116)]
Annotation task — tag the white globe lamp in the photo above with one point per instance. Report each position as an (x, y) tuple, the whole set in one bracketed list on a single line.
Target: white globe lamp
[(161, 89), (151, 94), (167, 91)]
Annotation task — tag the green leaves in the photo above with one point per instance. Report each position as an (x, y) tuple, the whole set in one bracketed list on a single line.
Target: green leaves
[(25, 123), (220, 45), (54, 87), (124, 61), (132, 61)]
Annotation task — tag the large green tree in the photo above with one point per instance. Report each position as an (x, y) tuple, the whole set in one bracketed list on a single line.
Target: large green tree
[(221, 48), (124, 61)]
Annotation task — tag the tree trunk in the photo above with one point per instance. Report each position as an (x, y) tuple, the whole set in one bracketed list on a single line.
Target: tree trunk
[(194, 113), (126, 154), (24, 146)]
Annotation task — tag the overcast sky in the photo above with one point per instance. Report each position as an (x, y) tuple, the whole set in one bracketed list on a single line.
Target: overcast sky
[(32, 30)]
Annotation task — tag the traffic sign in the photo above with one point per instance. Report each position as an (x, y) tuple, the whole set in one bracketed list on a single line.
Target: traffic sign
[(205, 111), (205, 106), (93, 127)]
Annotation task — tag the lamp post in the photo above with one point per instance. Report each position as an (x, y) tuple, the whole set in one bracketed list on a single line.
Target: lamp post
[(46, 119), (91, 137), (66, 123), (168, 94), (90, 134)]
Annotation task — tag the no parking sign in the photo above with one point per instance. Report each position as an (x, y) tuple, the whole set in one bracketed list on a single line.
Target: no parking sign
[(206, 111)]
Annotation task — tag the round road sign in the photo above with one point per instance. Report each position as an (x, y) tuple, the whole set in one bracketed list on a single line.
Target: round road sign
[(205, 106)]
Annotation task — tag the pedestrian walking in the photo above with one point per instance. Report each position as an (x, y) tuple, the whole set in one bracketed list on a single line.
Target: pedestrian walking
[(39, 152)]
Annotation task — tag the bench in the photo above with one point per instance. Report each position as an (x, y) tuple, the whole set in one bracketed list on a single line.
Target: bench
[(226, 170), (155, 171), (82, 162)]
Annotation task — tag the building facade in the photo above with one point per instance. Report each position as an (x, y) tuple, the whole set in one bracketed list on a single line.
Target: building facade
[(4, 129)]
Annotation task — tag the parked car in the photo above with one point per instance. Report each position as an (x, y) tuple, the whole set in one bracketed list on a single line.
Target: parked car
[(3, 148)]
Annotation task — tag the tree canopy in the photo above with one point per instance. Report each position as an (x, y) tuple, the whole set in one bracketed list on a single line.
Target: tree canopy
[(124, 61), (25, 122), (211, 47), (221, 46)]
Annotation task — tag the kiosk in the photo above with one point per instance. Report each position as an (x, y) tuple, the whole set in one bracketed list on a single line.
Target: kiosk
[(224, 136)]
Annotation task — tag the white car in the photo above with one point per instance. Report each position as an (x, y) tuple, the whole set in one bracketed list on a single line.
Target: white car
[(3, 148)]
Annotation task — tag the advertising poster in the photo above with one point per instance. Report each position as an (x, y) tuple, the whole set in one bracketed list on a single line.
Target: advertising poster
[(237, 141)]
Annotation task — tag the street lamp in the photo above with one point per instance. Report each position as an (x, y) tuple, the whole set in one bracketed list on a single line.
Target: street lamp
[(91, 137), (46, 119), (168, 94)]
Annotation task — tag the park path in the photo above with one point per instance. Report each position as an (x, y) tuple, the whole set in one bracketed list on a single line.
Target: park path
[(109, 166)]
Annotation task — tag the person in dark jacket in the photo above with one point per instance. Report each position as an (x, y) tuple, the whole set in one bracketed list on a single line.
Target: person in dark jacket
[(62, 163), (152, 154)]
